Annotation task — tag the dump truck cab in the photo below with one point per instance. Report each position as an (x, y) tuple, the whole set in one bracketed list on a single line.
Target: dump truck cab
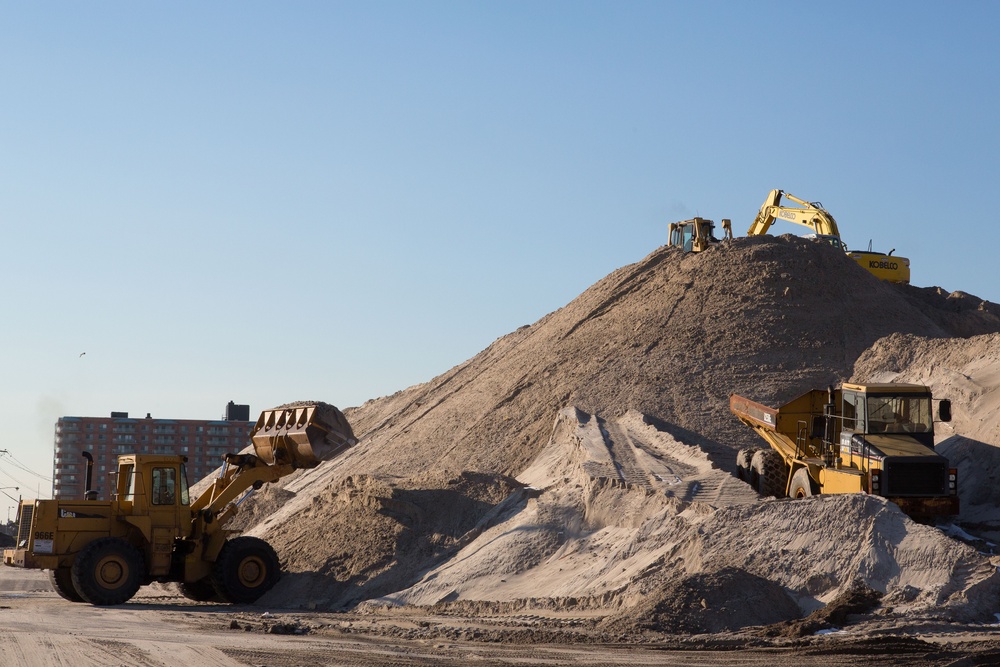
[(888, 429)]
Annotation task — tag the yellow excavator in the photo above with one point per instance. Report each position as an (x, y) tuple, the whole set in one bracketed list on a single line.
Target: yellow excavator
[(812, 215)]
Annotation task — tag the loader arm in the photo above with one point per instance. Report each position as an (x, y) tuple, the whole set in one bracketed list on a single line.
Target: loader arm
[(284, 440), (241, 472)]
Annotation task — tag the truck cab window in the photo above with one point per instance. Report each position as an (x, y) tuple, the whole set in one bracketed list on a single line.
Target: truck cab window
[(854, 412)]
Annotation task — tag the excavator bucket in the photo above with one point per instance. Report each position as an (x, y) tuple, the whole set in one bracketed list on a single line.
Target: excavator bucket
[(301, 434)]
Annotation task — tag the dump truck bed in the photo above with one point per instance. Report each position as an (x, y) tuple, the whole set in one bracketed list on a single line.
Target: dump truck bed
[(786, 428)]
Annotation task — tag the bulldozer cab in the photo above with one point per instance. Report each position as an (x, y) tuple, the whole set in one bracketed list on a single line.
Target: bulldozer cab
[(692, 235)]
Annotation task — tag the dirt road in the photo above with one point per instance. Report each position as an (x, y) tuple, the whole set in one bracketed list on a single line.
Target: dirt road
[(158, 628)]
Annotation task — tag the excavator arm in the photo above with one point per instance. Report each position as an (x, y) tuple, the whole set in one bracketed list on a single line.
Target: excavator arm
[(810, 215)]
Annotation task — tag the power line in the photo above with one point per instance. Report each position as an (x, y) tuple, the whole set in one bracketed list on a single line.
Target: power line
[(21, 466), (19, 482)]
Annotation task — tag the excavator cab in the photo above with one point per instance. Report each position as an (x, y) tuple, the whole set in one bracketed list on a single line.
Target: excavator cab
[(827, 238)]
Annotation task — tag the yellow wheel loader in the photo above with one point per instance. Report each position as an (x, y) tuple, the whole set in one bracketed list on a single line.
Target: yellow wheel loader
[(101, 552), (857, 438), (812, 215)]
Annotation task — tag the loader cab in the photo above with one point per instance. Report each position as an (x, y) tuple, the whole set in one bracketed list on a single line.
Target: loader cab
[(151, 483)]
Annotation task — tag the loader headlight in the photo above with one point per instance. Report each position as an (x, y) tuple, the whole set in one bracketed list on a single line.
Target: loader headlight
[(876, 483), (953, 481)]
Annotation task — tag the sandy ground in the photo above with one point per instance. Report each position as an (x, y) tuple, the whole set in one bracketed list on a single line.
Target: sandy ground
[(567, 497), (157, 629)]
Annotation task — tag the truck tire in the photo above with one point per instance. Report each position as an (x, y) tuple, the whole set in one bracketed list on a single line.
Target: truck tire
[(743, 459), (108, 571), (768, 473), (62, 581), (802, 484), (247, 567)]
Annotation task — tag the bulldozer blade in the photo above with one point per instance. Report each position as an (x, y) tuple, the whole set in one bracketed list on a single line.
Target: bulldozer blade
[(302, 435)]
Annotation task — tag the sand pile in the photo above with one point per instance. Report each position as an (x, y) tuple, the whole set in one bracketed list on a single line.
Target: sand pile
[(684, 553), (629, 494), (363, 537), (671, 337)]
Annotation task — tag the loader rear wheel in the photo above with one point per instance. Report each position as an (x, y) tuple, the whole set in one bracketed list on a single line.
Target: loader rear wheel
[(743, 459), (62, 581), (108, 571), (247, 567), (768, 473), (802, 484)]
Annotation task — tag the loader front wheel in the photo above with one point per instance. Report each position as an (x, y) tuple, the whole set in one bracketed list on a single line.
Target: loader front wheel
[(247, 568), (108, 571), (768, 473), (802, 484), (62, 581)]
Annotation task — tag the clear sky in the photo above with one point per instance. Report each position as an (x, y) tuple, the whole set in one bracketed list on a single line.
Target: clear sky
[(266, 202)]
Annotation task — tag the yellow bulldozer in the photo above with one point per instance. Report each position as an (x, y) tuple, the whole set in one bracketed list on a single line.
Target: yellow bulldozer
[(696, 234), (101, 552), (857, 438), (812, 215)]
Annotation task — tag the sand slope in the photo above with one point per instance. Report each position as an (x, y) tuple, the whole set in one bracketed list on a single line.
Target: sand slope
[(462, 492)]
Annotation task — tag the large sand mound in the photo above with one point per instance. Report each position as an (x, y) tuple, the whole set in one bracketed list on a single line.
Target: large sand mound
[(629, 494)]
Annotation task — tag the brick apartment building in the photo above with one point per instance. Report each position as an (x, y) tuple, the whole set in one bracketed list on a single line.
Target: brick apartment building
[(204, 442)]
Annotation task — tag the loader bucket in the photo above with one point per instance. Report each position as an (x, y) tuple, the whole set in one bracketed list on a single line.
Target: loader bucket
[(301, 434)]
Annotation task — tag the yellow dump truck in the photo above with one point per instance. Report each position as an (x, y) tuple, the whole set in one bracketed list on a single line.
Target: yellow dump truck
[(101, 552), (857, 438)]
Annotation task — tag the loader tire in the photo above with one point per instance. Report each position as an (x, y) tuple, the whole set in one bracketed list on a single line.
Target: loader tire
[(743, 459), (62, 581), (768, 473), (802, 484), (247, 567), (108, 571)]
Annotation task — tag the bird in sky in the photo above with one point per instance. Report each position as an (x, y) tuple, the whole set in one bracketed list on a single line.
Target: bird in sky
[(82, 353)]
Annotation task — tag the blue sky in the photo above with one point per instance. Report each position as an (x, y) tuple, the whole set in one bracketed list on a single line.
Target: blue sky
[(266, 202)]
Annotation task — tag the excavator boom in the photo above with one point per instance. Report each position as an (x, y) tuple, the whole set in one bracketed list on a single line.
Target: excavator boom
[(810, 215)]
